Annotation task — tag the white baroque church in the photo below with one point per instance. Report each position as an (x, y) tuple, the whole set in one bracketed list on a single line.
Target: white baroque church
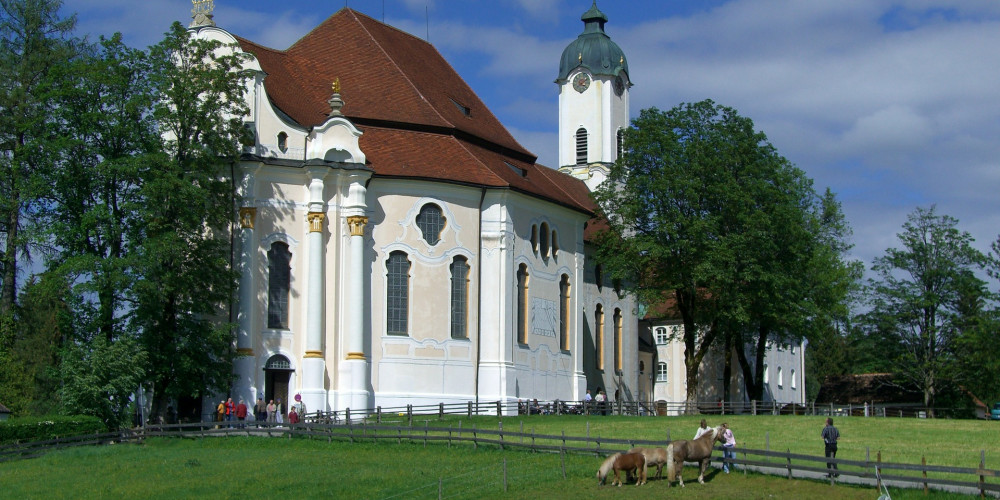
[(398, 246)]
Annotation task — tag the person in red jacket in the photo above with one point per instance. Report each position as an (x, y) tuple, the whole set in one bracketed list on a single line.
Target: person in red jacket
[(293, 416), (241, 414)]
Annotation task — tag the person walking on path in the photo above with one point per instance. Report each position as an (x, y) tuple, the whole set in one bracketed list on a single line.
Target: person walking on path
[(260, 411), (728, 445), (703, 428), (271, 410), (230, 411), (241, 414), (830, 436)]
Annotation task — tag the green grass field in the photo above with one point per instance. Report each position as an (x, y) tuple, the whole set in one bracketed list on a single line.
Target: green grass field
[(245, 467)]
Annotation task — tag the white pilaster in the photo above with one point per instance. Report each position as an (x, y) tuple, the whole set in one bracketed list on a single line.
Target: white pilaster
[(313, 363), (355, 369)]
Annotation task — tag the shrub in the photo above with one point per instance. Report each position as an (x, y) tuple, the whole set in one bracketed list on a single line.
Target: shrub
[(49, 427)]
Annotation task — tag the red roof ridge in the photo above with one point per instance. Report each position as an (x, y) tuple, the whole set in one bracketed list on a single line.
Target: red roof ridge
[(388, 56)]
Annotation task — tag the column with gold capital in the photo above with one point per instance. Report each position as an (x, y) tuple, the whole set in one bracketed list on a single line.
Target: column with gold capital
[(313, 362), (355, 361)]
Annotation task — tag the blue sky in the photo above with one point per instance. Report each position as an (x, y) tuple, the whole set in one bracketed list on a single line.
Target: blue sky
[(891, 104)]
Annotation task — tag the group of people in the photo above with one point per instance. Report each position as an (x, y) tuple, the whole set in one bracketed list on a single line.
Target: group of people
[(272, 412), (830, 436)]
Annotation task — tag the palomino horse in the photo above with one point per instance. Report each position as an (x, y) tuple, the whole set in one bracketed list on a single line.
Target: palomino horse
[(654, 456), (696, 450), (628, 462)]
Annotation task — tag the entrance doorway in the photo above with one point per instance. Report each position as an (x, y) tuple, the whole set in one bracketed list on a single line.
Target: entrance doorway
[(277, 373)]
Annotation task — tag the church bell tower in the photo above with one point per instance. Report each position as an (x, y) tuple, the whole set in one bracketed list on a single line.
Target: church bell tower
[(593, 101)]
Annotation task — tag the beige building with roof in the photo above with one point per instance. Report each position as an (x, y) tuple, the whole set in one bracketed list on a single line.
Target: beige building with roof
[(398, 246)]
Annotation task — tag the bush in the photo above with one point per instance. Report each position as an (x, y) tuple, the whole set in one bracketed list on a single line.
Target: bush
[(42, 428)]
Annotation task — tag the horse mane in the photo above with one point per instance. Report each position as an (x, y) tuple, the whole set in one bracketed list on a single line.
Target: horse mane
[(602, 472)]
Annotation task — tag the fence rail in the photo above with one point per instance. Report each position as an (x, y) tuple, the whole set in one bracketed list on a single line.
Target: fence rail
[(980, 480), (973, 480)]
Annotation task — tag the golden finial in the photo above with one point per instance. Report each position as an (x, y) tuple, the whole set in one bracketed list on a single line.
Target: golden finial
[(579, 57), (336, 85), (622, 60)]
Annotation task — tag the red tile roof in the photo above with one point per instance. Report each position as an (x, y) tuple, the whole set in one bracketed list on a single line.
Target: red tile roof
[(410, 104)]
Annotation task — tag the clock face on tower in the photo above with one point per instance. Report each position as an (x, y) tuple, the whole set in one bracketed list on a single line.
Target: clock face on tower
[(581, 82), (619, 85)]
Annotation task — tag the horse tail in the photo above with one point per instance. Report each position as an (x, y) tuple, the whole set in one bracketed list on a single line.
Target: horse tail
[(670, 463), (602, 472)]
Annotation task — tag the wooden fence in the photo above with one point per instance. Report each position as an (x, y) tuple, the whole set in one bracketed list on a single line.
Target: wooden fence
[(969, 480)]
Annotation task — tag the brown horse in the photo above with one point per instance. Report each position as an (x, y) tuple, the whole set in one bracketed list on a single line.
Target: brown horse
[(654, 456), (697, 450), (628, 462)]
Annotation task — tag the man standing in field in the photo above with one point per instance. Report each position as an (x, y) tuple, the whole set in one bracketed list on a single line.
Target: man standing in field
[(830, 436)]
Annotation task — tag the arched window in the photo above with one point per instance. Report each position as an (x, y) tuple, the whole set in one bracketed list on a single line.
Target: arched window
[(599, 335), (555, 243), (431, 223), (564, 312), (793, 378), (534, 238), (766, 375), (661, 371), (780, 381), (543, 240), (282, 141), (279, 276), (459, 298), (522, 304), (397, 293), (618, 339), (662, 337), (581, 146)]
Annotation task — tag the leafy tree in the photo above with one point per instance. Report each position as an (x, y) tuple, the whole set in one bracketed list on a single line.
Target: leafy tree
[(33, 41), (925, 296), (182, 254), (703, 211), (44, 324), (100, 377), (94, 211)]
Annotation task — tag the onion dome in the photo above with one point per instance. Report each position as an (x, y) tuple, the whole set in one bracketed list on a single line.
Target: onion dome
[(593, 49)]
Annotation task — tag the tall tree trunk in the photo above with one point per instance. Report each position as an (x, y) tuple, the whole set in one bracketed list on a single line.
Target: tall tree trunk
[(9, 291)]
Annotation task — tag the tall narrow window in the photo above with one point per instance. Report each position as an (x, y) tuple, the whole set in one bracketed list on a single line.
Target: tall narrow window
[(581, 146), (543, 240), (397, 293), (564, 312), (661, 372), (431, 223), (599, 336), (459, 298), (279, 274), (780, 381), (283, 141), (766, 375), (618, 339), (621, 142), (522, 304), (793, 378)]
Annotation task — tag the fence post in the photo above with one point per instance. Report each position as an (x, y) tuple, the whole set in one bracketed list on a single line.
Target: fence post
[(753, 407), (426, 424), (923, 462), (522, 432), (470, 410), (562, 458), (588, 429), (501, 435), (378, 414), (499, 412), (409, 415), (982, 478), (788, 459), (440, 411), (878, 471), (475, 438)]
